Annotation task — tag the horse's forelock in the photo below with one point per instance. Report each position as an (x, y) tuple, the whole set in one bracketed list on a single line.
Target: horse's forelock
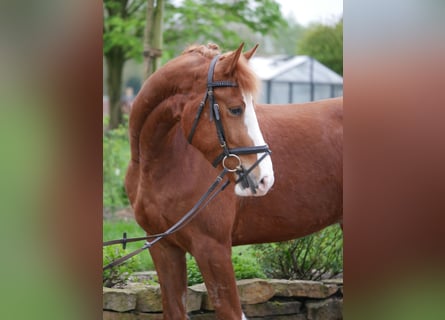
[(245, 77)]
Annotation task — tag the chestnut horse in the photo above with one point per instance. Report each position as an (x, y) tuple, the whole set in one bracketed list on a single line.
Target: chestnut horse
[(167, 173)]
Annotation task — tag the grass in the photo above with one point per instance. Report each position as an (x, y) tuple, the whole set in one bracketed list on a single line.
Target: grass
[(113, 229), (244, 258)]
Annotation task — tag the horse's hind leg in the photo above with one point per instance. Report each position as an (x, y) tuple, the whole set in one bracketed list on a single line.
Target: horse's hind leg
[(170, 265), (215, 263)]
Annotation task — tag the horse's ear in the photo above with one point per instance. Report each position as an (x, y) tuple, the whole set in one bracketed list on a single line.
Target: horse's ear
[(249, 54), (230, 61)]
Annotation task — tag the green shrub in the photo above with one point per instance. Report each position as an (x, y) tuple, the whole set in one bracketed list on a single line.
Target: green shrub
[(118, 275), (116, 155), (314, 257), (244, 264), (193, 274), (247, 267)]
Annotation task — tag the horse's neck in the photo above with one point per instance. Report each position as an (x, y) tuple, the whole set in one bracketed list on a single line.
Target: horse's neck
[(164, 148), (152, 95), (160, 135), (165, 85), (175, 175)]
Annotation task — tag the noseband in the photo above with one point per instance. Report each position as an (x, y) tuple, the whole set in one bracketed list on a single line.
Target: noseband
[(227, 152)]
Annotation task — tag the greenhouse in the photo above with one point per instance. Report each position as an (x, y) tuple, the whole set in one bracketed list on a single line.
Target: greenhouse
[(295, 79)]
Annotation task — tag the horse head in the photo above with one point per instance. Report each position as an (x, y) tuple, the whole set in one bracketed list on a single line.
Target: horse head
[(212, 98)]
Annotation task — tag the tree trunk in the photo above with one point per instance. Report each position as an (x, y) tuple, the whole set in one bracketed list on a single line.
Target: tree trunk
[(115, 62), (153, 36)]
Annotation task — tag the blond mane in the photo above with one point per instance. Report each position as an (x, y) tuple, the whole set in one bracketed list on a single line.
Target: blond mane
[(210, 50)]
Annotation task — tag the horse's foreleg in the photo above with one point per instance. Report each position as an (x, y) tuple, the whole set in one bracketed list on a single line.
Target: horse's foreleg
[(214, 261), (170, 265)]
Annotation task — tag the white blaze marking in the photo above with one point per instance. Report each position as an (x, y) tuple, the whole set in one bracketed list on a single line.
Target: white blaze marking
[(244, 317), (265, 166)]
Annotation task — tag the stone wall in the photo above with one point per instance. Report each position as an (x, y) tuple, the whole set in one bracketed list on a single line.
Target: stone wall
[(260, 299)]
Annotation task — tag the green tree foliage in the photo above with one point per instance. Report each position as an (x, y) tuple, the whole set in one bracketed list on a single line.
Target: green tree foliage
[(324, 43), (221, 22), (187, 22), (282, 41), (122, 40), (123, 27), (286, 41)]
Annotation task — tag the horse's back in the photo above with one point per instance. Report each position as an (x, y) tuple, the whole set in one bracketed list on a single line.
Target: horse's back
[(306, 142)]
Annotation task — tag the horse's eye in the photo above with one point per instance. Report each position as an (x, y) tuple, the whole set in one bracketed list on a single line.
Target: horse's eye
[(236, 111)]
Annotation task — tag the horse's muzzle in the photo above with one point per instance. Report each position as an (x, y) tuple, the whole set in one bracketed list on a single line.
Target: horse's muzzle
[(248, 185)]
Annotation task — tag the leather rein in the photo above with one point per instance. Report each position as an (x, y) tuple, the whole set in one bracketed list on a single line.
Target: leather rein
[(217, 186)]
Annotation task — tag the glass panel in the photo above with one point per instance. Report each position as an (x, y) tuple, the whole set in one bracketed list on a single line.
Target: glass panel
[(322, 91), (279, 92), (301, 93), (338, 90)]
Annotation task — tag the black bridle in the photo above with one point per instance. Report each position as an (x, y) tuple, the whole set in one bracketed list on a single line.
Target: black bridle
[(218, 185), (227, 152)]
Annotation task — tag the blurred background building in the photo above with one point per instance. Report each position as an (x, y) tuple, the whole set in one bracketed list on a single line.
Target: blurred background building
[(295, 79)]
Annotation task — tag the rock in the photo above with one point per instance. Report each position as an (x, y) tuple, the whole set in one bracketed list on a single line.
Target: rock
[(329, 309), (143, 276), (299, 316), (300, 300), (302, 289), (272, 308), (119, 299), (149, 298), (194, 300), (201, 289), (337, 281), (252, 291), (108, 315), (202, 316)]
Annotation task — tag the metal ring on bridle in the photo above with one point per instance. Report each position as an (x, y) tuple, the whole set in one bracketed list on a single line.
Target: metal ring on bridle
[(231, 155)]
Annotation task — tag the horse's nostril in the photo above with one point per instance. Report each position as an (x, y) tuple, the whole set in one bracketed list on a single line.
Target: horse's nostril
[(263, 181)]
